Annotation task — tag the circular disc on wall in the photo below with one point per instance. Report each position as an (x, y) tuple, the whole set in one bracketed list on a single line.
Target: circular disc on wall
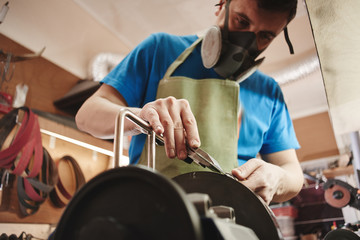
[(337, 196)]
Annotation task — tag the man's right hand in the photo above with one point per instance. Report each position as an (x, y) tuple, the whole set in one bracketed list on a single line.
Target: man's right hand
[(170, 117), (173, 119)]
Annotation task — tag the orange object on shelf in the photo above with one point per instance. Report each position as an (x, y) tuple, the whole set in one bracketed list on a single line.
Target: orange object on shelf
[(290, 211)]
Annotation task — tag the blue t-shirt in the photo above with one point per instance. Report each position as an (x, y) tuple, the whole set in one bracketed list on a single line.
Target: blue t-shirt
[(266, 125)]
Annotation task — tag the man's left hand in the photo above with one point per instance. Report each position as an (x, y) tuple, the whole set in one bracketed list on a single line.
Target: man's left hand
[(276, 177), (261, 177)]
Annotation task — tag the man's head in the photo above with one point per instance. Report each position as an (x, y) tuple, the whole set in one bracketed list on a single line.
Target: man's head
[(266, 18)]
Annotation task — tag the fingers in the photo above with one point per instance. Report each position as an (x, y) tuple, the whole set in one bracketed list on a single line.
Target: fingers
[(150, 115), (244, 171), (173, 130), (173, 118), (253, 174), (190, 127), (259, 186)]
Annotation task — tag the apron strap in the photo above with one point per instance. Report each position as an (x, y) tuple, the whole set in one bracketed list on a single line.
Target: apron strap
[(181, 58)]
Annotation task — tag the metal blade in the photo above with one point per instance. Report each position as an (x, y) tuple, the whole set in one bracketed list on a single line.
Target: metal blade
[(204, 159)]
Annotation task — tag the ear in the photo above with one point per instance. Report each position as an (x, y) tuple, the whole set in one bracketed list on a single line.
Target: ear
[(220, 6), (217, 12)]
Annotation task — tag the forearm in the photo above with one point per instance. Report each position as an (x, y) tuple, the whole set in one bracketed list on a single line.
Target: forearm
[(291, 175), (97, 117), (98, 114), (290, 183)]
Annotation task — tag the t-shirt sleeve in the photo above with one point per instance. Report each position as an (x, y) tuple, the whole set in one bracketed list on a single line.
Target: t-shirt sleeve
[(131, 76), (281, 134)]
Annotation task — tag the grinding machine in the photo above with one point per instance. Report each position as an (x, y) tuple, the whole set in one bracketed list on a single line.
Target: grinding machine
[(137, 202)]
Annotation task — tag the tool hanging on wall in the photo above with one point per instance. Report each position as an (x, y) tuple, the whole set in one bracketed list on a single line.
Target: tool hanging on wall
[(7, 72), (3, 11), (7, 61), (19, 58)]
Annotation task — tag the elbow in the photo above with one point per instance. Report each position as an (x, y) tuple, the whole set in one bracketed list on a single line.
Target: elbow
[(299, 180), (80, 120), (298, 183), (83, 117), (87, 120)]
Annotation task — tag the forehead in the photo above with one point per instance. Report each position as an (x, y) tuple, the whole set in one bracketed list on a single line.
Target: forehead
[(262, 18)]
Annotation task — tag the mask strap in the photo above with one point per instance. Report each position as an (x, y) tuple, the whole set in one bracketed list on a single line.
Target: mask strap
[(220, 4), (286, 35), (226, 23)]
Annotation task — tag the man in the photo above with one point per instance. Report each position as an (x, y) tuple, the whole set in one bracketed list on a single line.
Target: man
[(198, 99)]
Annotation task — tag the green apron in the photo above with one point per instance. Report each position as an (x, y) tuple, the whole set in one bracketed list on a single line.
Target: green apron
[(215, 105)]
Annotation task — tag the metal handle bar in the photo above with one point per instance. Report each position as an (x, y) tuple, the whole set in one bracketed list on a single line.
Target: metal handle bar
[(119, 136)]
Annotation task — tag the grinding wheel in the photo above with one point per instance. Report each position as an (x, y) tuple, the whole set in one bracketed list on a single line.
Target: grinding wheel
[(250, 210), (337, 196), (341, 234), (129, 203)]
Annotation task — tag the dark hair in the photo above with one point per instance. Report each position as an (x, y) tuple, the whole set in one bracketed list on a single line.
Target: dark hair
[(275, 5), (279, 6)]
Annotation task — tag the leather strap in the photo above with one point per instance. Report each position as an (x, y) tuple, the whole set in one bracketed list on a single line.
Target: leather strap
[(43, 183), (8, 155), (60, 189), (26, 158), (33, 191), (27, 206), (37, 149), (31, 149), (30, 130), (7, 123)]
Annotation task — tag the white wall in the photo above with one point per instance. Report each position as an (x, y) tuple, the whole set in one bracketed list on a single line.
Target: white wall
[(71, 36)]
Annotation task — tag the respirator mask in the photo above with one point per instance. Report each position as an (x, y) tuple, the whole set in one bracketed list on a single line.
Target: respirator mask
[(231, 54)]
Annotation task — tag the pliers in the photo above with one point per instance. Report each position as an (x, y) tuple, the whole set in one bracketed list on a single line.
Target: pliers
[(198, 156)]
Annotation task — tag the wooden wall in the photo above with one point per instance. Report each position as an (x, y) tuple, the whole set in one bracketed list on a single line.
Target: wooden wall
[(47, 82), (316, 137)]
